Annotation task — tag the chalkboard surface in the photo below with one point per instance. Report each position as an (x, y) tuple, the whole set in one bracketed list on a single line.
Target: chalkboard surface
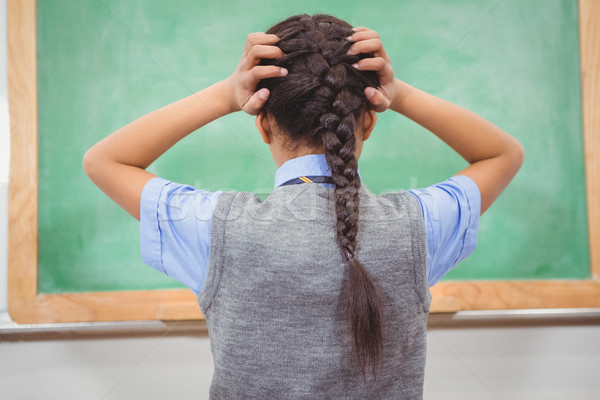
[(102, 64)]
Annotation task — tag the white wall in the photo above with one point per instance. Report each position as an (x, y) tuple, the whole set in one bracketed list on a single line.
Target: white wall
[(553, 362), (463, 364)]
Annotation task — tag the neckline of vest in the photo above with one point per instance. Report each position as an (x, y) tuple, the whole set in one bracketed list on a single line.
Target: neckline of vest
[(322, 190)]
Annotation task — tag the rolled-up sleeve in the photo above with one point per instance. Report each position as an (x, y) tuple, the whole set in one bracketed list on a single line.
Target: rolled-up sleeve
[(451, 212), (175, 225)]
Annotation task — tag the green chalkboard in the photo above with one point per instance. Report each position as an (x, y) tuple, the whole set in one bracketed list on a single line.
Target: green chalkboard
[(102, 64)]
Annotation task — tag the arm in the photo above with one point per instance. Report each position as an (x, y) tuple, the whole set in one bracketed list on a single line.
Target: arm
[(494, 155), (117, 163)]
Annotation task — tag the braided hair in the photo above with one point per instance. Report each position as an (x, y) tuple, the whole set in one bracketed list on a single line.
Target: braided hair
[(318, 104)]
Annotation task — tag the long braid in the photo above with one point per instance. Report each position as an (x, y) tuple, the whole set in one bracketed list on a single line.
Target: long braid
[(363, 301), (319, 102)]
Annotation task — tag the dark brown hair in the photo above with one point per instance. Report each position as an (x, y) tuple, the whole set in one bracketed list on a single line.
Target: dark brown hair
[(318, 104)]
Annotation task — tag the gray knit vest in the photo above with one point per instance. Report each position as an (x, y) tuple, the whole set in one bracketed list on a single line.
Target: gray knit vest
[(273, 297)]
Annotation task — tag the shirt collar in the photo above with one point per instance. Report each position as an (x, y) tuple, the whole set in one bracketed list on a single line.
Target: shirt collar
[(311, 164)]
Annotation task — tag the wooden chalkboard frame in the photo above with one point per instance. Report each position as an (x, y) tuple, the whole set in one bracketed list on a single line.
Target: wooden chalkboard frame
[(26, 305)]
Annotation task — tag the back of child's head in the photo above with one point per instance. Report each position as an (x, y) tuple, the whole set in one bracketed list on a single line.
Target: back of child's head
[(318, 105)]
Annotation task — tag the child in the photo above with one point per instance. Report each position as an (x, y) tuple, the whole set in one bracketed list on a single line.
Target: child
[(320, 291)]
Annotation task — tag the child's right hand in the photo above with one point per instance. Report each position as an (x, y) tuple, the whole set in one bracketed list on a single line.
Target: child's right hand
[(368, 41), (241, 85)]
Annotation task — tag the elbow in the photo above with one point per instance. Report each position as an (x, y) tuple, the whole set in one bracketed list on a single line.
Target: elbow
[(518, 154), (514, 156), (90, 164), (86, 164)]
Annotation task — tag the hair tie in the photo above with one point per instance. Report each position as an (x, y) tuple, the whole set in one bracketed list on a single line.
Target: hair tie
[(349, 255)]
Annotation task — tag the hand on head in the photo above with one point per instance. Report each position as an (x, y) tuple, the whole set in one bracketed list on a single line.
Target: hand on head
[(248, 74)]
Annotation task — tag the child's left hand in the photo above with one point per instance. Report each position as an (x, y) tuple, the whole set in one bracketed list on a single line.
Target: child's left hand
[(241, 85)]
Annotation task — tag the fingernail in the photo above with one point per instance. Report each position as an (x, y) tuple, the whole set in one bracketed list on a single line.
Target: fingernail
[(370, 92), (349, 38), (284, 72), (355, 65), (263, 94), (351, 52)]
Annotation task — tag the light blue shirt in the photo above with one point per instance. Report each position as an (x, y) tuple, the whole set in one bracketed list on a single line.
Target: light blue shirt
[(175, 222)]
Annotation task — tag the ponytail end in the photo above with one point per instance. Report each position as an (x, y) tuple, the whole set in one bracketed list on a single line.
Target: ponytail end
[(365, 317)]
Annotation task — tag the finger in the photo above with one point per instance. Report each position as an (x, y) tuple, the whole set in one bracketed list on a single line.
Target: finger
[(259, 51), (377, 99), (368, 46), (256, 102), (363, 35), (360, 29), (371, 64), (267, 71), (260, 38), (384, 70)]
